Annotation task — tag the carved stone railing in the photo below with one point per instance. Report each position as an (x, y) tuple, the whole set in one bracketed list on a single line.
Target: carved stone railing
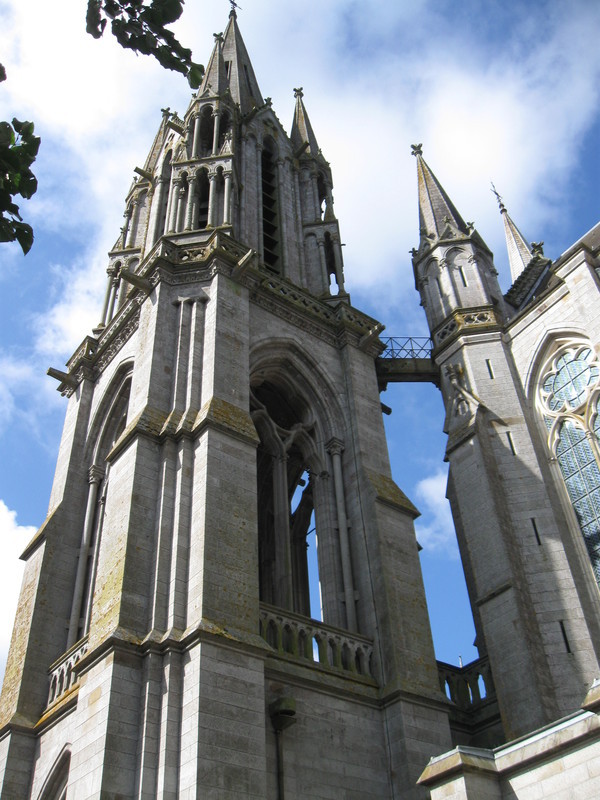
[(63, 674), (310, 641), (467, 686), (407, 347)]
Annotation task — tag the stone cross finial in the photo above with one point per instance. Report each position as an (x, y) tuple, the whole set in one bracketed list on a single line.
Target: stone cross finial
[(537, 248), (417, 149), (298, 92), (218, 38), (499, 199)]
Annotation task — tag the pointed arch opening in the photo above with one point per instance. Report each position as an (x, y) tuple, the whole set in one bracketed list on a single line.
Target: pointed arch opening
[(55, 785), (207, 131), (287, 462), (107, 427), (567, 397)]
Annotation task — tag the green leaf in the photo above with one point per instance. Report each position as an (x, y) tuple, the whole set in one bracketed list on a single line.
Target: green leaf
[(2, 73), (7, 135), (195, 75), (24, 236)]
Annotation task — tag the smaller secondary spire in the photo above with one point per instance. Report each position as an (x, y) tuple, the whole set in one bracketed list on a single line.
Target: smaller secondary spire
[(215, 76), (302, 136), (438, 216), (519, 252)]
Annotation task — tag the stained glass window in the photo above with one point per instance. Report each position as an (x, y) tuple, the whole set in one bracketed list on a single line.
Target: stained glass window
[(569, 396)]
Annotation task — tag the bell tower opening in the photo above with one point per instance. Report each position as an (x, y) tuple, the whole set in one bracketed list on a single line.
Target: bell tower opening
[(270, 206), (287, 536)]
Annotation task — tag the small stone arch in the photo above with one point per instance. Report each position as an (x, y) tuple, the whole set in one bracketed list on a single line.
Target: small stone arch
[(55, 785)]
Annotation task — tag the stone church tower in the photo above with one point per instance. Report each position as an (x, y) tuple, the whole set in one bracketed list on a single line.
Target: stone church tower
[(226, 405), (520, 379)]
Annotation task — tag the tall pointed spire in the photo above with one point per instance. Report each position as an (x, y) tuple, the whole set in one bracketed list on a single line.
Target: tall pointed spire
[(302, 135), (438, 217), (242, 81), (519, 252)]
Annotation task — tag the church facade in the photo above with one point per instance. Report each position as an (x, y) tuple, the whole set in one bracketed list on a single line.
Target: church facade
[(224, 416)]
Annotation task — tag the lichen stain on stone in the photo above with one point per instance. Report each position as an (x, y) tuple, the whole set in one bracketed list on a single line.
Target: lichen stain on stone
[(387, 490), (223, 414)]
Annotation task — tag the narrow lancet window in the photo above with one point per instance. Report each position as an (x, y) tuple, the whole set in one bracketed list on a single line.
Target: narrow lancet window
[(270, 203)]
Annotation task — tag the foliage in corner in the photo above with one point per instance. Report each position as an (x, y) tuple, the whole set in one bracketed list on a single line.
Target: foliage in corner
[(141, 26), (18, 149)]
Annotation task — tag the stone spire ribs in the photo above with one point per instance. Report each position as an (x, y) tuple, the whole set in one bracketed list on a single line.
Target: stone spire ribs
[(302, 135), (438, 217), (519, 252), (238, 68)]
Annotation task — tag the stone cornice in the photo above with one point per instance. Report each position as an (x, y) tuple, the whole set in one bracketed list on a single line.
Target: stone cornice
[(179, 264)]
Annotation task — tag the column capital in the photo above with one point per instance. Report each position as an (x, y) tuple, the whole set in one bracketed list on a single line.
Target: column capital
[(95, 473), (335, 446)]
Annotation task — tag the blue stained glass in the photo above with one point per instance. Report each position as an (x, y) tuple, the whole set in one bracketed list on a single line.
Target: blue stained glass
[(582, 478), (571, 380)]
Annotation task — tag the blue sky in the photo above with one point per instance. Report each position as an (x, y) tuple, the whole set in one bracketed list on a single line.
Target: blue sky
[(496, 91)]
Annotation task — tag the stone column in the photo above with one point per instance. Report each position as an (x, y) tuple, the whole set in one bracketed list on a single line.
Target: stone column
[(216, 124), (159, 196), (110, 273), (191, 200), (127, 214), (335, 449), (281, 514), (95, 477), (339, 269), (227, 201), (129, 237), (113, 295), (212, 200), (172, 210), (180, 215), (323, 261), (196, 139)]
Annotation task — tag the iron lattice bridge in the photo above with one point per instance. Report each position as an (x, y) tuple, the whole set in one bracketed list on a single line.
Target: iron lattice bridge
[(407, 347)]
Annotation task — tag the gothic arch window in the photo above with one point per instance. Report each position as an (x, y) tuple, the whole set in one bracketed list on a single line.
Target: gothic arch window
[(203, 191), (224, 128), (108, 426), (287, 463), (300, 486), (322, 191), (207, 132), (55, 785), (270, 203), (568, 398)]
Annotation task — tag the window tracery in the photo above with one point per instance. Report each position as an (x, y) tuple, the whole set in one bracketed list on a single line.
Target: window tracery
[(569, 400)]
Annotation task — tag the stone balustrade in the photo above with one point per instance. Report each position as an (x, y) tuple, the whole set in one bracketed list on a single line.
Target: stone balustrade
[(308, 640), (469, 685), (62, 673)]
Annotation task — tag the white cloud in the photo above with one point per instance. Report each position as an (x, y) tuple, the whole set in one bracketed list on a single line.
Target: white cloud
[(435, 528), (13, 540)]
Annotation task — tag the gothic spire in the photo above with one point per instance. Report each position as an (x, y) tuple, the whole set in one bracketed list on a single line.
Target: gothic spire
[(519, 252), (215, 77), (438, 217), (302, 135), (242, 81)]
